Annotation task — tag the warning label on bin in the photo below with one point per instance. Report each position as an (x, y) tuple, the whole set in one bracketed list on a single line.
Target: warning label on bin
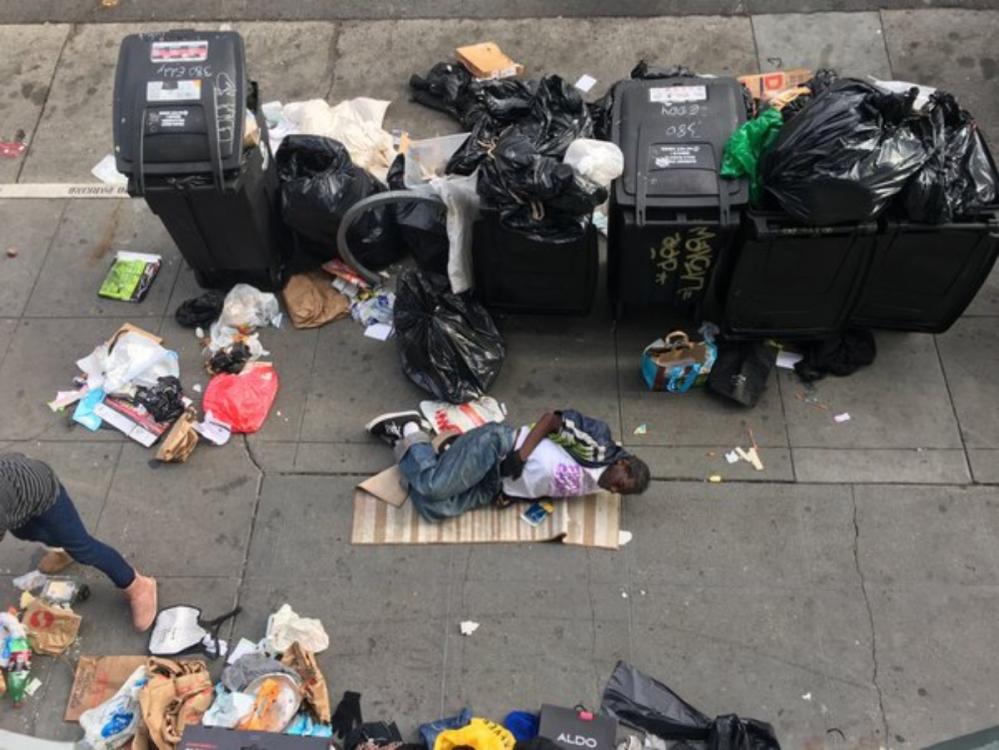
[(667, 155), (186, 51), (173, 91), (170, 118), (669, 94)]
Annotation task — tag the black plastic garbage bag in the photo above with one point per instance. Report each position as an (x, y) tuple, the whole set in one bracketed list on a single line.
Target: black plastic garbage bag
[(440, 88), (164, 401), (448, 343), (643, 70), (841, 354), (202, 310), (422, 226), (535, 194), (958, 178), (844, 156), (319, 183), (644, 703)]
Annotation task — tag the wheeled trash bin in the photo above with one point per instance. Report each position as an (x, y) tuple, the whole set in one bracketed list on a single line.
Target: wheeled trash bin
[(190, 139)]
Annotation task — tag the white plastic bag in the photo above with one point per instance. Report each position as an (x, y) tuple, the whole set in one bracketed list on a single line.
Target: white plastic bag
[(284, 627), (114, 722), (356, 123), (228, 709), (136, 360), (245, 308), (598, 161), (462, 201)]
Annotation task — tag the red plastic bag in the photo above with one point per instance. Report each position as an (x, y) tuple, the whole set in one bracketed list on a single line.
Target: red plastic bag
[(243, 400)]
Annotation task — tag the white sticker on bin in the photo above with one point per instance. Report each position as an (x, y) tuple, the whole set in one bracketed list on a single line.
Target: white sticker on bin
[(173, 91), (671, 94), (192, 50)]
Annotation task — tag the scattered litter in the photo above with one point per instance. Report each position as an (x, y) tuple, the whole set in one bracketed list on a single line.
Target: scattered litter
[(180, 442), (751, 456), (25, 600), (468, 627), (30, 581), (106, 170), (213, 430), (12, 252), (624, 594), (715, 478), (844, 417), (642, 592), (243, 647), (732, 457), (130, 276), (377, 308), (32, 687), (623, 537), (787, 360), (642, 429), (66, 398), (378, 331), (109, 3), (284, 627), (537, 512), (585, 83), (196, 387), (12, 149), (806, 697), (112, 723), (812, 400)]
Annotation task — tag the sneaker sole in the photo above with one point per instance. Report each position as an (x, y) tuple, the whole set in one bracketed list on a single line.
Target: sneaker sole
[(393, 415)]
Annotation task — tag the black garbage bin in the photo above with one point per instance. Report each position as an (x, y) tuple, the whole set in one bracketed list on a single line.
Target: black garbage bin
[(672, 216), (181, 100), (790, 280), (924, 276), (517, 274)]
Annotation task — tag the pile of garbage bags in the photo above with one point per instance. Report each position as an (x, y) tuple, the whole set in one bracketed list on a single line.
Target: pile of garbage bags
[(520, 133), (839, 150)]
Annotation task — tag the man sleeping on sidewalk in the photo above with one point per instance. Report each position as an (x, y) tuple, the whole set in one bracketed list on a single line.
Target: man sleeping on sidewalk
[(564, 454)]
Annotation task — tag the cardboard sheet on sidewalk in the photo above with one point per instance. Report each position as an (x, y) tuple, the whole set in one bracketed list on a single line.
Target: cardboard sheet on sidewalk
[(591, 521), (386, 486), (97, 679)]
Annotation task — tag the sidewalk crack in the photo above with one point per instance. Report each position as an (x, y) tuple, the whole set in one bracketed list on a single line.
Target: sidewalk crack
[(870, 616)]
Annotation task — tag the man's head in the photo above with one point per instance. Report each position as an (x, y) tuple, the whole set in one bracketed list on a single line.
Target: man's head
[(626, 476)]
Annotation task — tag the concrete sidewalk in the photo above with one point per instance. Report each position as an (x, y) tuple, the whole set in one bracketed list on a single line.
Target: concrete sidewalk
[(861, 567)]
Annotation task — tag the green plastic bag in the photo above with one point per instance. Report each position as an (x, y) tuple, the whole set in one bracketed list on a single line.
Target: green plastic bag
[(741, 157)]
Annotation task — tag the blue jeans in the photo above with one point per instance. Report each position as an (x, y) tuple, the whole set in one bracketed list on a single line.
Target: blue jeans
[(464, 477), (60, 526)]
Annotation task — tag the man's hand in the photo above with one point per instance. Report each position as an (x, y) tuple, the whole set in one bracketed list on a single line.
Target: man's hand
[(550, 421)]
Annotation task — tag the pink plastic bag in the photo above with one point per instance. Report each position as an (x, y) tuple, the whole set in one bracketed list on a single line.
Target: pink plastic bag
[(243, 400)]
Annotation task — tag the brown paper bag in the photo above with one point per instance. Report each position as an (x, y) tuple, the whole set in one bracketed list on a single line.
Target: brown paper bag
[(314, 687), (51, 630), (177, 694), (312, 301), (179, 443)]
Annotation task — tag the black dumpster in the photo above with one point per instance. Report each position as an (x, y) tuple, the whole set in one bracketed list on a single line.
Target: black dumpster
[(672, 217), (517, 274), (924, 276), (790, 280), (180, 132)]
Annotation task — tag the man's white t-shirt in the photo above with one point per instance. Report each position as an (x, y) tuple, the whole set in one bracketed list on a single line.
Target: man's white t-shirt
[(551, 471)]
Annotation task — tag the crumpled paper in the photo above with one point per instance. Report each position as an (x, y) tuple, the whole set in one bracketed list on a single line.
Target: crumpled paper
[(285, 627)]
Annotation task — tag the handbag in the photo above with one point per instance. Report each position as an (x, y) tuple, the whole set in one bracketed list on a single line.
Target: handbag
[(742, 370), (676, 364)]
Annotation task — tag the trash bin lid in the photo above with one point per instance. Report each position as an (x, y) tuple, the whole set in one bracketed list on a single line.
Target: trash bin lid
[(179, 103), (672, 132)]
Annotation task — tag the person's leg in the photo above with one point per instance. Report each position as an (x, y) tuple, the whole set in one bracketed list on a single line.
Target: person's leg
[(60, 526), (471, 458)]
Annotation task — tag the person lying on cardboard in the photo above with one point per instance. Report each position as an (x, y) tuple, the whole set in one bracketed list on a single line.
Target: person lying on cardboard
[(564, 454)]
